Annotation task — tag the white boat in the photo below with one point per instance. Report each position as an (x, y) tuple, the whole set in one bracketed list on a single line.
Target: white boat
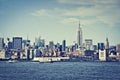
[(45, 60), (50, 59), (11, 61)]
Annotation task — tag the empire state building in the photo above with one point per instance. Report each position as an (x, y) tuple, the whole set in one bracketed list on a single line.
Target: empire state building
[(79, 36)]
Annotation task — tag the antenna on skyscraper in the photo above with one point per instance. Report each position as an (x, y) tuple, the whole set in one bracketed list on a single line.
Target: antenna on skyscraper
[(79, 22)]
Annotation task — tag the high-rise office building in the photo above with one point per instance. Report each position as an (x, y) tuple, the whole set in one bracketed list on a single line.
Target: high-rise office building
[(10, 45), (101, 46), (107, 47), (64, 45), (51, 45), (1, 43), (39, 42), (17, 42), (88, 44), (102, 52), (107, 44), (79, 36)]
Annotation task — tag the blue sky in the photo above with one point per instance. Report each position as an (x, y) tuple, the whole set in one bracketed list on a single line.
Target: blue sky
[(56, 20)]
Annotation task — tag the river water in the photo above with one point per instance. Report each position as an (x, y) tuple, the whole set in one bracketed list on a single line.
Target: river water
[(60, 71)]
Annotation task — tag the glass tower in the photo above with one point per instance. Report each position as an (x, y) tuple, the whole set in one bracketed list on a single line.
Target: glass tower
[(79, 36)]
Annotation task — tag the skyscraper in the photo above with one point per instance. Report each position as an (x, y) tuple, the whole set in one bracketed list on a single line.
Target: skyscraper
[(1, 43), (102, 52), (64, 45), (39, 42), (88, 44), (79, 35), (107, 43), (107, 47), (17, 42), (51, 45)]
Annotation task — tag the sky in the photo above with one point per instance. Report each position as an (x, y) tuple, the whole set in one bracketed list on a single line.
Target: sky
[(58, 20)]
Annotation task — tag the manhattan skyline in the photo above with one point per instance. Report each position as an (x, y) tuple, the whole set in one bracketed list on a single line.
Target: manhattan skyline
[(58, 20)]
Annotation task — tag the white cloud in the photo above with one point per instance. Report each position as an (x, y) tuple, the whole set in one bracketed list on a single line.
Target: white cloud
[(69, 20), (102, 11), (42, 12), (105, 11)]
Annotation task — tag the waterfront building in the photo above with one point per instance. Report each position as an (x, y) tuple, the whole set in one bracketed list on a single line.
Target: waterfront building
[(88, 44), (18, 55), (89, 53), (28, 54), (1, 43), (118, 48), (102, 52), (79, 36), (2, 54), (118, 51), (107, 48), (102, 55), (32, 53), (17, 42)]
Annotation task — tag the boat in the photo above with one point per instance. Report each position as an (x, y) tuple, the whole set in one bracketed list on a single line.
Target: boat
[(45, 60), (11, 61)]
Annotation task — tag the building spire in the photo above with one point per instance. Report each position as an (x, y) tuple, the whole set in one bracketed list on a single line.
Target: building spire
[(107, 43), (79, 35), (79, 24)]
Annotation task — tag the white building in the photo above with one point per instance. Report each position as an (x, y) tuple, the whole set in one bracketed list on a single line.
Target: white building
[(102, 55), (2, 54)]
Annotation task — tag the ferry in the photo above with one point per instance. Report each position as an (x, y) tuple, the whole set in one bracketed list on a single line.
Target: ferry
[(50, 59), (45, 60), (11, 61)]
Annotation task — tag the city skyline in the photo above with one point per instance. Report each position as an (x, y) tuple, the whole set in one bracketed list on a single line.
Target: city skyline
[(58, 20)]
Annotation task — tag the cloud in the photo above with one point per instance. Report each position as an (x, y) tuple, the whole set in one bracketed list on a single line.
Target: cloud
[(105, 11), (102, 11), (42, 12), (69, 20)]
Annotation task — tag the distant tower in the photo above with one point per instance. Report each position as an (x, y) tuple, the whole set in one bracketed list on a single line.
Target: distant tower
[(1, 43), (107, 43), (64, 45), (107, 47), (51, 45), (17, 42), (79, 35)]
